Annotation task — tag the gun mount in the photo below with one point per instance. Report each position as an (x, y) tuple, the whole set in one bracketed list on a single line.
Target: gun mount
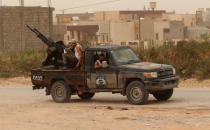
[(55, 50)]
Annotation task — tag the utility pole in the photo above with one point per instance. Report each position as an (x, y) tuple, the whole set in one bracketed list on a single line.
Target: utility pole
[(21, 2), (49, 3), (50, 17)]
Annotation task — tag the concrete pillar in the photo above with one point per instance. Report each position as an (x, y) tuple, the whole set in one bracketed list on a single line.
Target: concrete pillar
[(22, 40), (1, 32), (71, 35), (76, 35), (82, 36)]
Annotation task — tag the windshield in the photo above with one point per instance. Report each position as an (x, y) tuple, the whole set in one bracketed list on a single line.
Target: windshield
[(124, 56)]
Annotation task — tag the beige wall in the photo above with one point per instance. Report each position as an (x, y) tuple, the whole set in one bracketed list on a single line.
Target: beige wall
[(107, 15), (104, 32), (122, 32), (64, 19), (152, 31), (159, 26), (153, 16), (14, 36), (189, 19), (147, 29)]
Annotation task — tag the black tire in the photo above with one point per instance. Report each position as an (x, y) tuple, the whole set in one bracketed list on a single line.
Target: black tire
[(60, 92), (86, 95), (136, 93), (163, 95)]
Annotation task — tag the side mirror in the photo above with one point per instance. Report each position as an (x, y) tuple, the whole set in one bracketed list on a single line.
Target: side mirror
[(104, 64)]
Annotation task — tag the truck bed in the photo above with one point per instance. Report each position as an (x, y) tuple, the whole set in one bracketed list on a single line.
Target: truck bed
[(45, 76)]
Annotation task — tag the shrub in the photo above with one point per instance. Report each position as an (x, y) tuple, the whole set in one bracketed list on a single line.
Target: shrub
[(20, 64), (191, 59)]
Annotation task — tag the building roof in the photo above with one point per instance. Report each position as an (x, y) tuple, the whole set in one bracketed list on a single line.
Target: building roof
[(25, 7), (198, 28), (77, 14), (141, 12), (107, 47), (88, 28)]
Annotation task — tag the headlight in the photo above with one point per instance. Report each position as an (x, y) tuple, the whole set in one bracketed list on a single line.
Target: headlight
[(151, 75), (174, 71)]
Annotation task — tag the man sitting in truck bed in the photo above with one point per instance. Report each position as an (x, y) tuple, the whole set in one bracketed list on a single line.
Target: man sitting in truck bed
[(73, 55)]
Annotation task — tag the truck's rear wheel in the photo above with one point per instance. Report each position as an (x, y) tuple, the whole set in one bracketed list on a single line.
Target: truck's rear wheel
[(86, 95), (60, 92), (163, 95), (136, 93)]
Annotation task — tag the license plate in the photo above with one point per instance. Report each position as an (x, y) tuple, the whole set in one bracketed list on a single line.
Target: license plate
[(36, 77)]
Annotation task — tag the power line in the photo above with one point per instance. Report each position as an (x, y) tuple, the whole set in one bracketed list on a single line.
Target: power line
[(88, 5)]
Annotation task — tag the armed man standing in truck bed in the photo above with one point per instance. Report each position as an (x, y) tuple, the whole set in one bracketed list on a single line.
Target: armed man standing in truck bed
[(77, 48)]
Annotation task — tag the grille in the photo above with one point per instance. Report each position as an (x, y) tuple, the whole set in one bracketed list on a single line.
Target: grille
[(165, 73)]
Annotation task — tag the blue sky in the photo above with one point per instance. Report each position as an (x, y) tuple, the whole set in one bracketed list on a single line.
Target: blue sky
[(180, 6)]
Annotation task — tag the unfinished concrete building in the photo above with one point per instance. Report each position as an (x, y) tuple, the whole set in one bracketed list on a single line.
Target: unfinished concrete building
[(14, 36)]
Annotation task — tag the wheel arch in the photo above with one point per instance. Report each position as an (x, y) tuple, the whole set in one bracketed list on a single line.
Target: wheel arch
[(51, 82), (129, 80)]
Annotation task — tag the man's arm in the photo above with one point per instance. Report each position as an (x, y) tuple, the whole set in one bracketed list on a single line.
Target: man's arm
[(97, 66), (79, 50)]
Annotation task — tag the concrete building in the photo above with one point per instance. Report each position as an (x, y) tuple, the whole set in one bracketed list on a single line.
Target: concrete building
[(76, 19), (175, 31), (194, 33), (200, 17), (59, 32), (83, 33), (128, 15), (105, 32), (208, 17), (14, 36), (153, 30), (159, 31), (121, 32), (188, 19)]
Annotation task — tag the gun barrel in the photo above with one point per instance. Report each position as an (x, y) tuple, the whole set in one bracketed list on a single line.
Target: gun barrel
[(40, 36), (33, 30)]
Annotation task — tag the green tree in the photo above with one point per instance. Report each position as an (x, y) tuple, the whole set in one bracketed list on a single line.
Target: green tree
[(205, 37)]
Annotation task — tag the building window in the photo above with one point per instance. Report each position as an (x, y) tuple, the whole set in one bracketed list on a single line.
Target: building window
[(166, 30), (137, 36), (103, 38), (107, 38), (133, 43), (123, 43), (157, 36)]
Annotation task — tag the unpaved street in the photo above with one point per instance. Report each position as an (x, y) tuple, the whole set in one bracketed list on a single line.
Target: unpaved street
[(22, 108)]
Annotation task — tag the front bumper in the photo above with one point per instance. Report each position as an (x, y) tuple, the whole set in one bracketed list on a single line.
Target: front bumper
[(162, 84)]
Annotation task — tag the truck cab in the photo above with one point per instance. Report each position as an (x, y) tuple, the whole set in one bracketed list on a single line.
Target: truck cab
[(122, 72)]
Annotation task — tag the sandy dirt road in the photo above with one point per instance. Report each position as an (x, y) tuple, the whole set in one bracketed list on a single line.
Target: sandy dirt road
[(24, 109)]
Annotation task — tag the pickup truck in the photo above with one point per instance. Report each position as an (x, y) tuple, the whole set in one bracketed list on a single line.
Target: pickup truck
[(122, 72)]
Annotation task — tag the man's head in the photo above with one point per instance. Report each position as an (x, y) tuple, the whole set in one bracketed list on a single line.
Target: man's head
[(101, 58), (74, 43)]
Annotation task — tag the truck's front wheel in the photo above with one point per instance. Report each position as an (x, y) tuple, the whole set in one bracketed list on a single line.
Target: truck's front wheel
[(60, 92), (86, 95), (136, 93), (163, 95)]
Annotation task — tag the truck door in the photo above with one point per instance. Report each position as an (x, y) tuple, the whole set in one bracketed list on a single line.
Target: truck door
[(104, 77)]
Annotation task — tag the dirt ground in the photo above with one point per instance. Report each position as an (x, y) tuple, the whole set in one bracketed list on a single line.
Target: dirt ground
[(32, 112), (68, 117)]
